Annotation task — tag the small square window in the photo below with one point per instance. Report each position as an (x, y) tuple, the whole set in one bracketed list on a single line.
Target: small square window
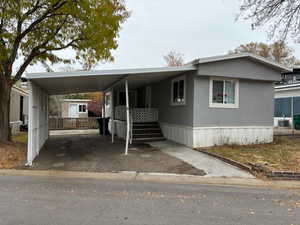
[(223, 93), (82, 108), (178, 91)]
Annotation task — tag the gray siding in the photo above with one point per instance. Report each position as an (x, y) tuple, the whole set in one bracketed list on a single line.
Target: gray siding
[(161, 99), (256, 105), (239, 68)]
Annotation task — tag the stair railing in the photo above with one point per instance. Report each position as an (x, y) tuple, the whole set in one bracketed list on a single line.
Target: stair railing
[(131, 127)]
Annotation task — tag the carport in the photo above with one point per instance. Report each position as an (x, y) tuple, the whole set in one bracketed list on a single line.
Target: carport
[(41, 85)]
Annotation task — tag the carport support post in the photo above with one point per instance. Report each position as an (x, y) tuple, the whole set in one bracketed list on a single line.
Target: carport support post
[(103, 115), (127, 117), (112, 116)]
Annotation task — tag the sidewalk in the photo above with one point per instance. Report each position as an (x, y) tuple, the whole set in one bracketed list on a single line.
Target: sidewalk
[(211, 166)]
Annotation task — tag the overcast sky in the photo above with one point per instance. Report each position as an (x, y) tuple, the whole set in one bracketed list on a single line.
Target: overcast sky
[(195, 28)]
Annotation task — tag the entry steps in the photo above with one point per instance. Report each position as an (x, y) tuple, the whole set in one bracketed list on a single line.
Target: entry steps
[(146, 132)]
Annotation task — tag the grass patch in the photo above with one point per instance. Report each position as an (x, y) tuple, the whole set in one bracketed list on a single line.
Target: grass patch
[(20, 138), (282, 154), (14, 154)]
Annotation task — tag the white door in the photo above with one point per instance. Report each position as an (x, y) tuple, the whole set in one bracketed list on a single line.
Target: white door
[(73, 111), (108, 104)]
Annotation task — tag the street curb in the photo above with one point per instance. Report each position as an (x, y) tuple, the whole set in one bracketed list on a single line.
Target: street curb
[(154, 177)]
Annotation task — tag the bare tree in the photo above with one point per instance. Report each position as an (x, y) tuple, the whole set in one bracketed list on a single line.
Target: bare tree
[(174, 59), (278, 51), (281, 16), (88, 63)]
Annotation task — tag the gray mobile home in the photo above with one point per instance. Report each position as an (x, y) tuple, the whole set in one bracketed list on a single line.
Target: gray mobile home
[(210, 101), (223, 100)]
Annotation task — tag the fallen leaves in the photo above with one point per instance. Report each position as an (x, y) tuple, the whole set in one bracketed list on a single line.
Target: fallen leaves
[(12, 155)]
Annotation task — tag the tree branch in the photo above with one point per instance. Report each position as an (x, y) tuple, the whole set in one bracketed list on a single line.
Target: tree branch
[(30, 11), (21, 35)]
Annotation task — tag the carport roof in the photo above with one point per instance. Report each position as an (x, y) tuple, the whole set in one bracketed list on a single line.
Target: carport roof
[(101, 80)]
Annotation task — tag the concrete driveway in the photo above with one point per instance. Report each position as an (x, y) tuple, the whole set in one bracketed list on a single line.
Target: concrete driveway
[(88, 151), (211, 166)]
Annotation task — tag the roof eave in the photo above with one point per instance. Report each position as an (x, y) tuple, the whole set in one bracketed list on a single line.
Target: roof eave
[(257, 58), (119, 72)]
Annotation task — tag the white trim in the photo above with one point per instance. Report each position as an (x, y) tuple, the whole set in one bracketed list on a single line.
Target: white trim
[(288, 93), (75, 100), (287, 87), (222, 105), (172, 103), (118, 72)]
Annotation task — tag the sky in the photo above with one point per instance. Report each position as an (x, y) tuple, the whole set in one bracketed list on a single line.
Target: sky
[(194, 28)]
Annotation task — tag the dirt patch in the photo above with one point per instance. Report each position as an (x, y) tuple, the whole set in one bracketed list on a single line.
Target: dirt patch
[(283, 154), (94, 153), (12, 155)]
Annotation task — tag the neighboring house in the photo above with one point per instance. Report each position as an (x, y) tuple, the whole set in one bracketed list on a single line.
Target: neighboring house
[(18, 108), (74, 108), (287, 98), (210, 101)]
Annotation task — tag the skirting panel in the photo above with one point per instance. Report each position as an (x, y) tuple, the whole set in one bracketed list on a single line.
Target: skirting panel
[(211, 136), (177, 133), (277, 119), (120, 128)]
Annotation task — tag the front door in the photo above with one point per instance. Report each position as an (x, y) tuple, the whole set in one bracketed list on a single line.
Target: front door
[(148, 97), (73, 111)]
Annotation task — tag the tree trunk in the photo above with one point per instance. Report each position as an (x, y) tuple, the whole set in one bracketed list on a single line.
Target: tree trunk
[(5, 90)]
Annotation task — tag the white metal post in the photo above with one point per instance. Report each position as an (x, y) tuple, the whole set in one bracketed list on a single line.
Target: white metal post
[(103, 113), (292, 115), (30, 126), (127, 117), (112, 116)]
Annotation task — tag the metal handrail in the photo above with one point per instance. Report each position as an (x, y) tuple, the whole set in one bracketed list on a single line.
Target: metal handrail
[(131, 127)]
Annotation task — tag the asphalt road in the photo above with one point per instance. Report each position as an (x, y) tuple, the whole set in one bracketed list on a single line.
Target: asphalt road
[(53, 201)]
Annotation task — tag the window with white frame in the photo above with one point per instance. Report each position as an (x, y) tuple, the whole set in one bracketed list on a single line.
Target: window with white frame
[(82, 108), (178, 91), (224, 93)]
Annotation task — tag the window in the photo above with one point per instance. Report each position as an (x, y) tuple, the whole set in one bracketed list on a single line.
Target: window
[(82, 108), (178, 91), (224, 93), (283, 107)]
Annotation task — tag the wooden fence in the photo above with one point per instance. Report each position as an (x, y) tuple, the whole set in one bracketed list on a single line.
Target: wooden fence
[(73, 123)]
